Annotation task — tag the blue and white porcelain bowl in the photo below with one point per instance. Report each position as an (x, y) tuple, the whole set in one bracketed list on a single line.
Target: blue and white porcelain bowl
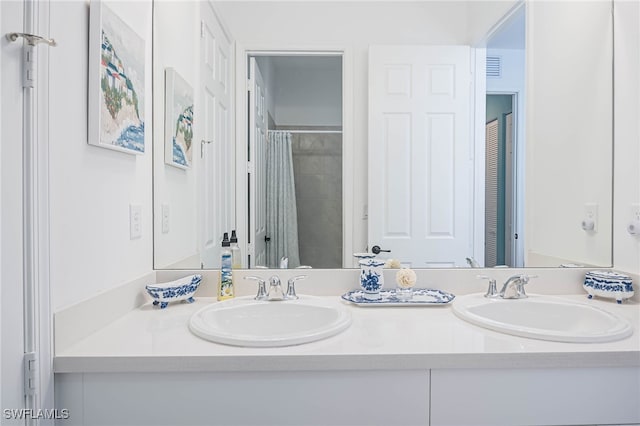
[(608, 284), (371, 278), (182, 289)]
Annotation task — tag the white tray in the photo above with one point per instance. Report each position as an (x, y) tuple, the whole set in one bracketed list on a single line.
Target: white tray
[(421, 297)]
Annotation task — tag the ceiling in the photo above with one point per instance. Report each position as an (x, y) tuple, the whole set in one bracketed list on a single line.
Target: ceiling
[(511, 35)]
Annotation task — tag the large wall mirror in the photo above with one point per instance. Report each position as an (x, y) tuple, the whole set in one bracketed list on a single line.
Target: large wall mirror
[(445, 134)]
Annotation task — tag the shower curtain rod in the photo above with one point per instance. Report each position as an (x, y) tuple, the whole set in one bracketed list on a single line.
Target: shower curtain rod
[(306, 131)]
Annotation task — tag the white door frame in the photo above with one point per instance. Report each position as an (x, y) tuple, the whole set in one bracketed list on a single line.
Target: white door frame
[(216, 165), (518, 162), (479, 117), (242, 57), (258, 124), (38, 315)]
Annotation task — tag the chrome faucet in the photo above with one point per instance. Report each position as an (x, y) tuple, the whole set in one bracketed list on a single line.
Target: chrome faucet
[(262, 288), (275, 287), (291, 287), (275, 291), (513, 288), (492, 291)]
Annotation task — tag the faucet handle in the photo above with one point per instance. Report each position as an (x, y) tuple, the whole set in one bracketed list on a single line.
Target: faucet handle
[(524, 279), (492, 291), (275, 291), (519, 284), (291, 286), (262, 287)]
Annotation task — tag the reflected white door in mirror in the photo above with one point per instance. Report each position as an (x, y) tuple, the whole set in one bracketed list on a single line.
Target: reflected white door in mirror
[(420, 170)]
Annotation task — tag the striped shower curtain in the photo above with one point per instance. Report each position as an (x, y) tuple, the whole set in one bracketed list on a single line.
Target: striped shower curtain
[(282, 215)]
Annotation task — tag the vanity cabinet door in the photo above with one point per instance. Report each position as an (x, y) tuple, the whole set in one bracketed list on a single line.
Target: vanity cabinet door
[(572, 396), (367, 398)]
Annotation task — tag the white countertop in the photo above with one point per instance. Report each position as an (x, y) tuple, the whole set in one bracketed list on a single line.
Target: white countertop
[(148, 339)]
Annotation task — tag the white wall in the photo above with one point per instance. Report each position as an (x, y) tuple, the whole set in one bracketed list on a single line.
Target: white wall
[(483, 16), (176, 46), (303, 90), (570, 80), (512, 78), (308, 91), (626, 248), (91, 187)]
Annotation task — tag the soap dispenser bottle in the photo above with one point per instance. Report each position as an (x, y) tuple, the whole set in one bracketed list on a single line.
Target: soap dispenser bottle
[(236, 257), (225, 286)]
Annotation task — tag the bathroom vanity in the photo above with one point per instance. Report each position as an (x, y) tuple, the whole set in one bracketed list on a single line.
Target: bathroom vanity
[(392, 366)]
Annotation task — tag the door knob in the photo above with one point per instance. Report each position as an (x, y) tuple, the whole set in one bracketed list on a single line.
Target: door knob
[(378, 250)]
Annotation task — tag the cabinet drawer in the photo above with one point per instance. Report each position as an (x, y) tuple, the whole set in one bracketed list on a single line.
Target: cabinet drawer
[(535, 396)]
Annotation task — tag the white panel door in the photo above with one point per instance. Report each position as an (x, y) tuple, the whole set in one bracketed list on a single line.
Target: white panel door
[(420, 154), (216, 174), (257, 169)]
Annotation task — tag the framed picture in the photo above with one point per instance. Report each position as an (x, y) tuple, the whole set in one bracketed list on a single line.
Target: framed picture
[(116, 82), (178, 108)]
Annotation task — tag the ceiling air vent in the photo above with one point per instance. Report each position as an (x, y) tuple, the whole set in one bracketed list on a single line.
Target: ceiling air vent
[(494, 66)]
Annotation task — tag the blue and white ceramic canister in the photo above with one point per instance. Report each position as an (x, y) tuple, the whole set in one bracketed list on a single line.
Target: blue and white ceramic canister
[(609, 284), (371, 278)]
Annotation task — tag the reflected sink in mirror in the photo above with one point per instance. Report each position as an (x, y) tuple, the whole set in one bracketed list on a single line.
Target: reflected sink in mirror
[(543, 317), (244, 321)]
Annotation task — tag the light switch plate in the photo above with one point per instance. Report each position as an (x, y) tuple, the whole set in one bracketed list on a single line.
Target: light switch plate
[(135, 221)]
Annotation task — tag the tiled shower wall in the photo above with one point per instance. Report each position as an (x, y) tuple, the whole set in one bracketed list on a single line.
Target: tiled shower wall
[(317, 166)]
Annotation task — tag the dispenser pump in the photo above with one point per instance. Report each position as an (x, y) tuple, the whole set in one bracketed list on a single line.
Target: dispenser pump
[(236, 257)]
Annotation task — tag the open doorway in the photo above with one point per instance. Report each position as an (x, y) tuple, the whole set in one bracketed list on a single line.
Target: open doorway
[(295, 210), (500, 185)]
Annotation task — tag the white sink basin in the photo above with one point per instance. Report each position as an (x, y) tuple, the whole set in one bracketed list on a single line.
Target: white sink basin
[(244, 321), (543, 317)]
